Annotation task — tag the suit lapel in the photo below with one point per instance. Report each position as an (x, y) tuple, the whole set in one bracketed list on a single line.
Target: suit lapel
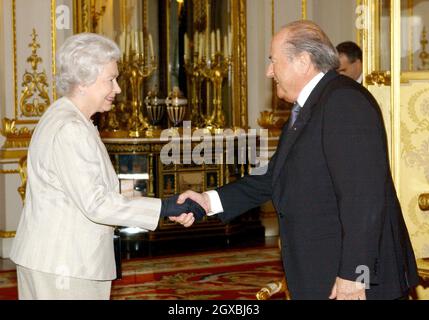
[(289, 137)]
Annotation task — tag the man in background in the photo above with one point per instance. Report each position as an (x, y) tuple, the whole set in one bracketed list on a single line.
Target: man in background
[(350, 56)]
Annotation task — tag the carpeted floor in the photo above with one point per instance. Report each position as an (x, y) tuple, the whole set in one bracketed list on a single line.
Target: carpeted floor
[(231, 274)]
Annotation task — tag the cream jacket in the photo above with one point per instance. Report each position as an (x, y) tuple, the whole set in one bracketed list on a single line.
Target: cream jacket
[(72, 200)]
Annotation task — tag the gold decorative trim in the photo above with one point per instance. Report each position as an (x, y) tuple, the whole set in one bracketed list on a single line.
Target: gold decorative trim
[(76, 15), (410, 6), (423, 268), (22, 170), (34, 85), (120, 148), (395, 89), (239, 63), (370, 36), (414, 155), (15, 67), (376, 32), (243, 65), (414, 75), (9, 171), (273, 17), (82, 12), (86, 16), (167, 43), (381, 78), (12, 154), (304, 9), (16, 138), (366, 44), (424, 202), (7, 234), (82, 23), (274, 98), (424, 55), (124, 15), (53, 46), (409, 150), (359, 32)]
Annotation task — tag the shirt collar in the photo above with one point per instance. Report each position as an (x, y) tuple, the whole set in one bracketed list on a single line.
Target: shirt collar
[(308, 88), (360, 78)]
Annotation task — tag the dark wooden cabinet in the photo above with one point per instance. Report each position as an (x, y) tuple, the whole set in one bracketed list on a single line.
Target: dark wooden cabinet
[(143, 171)]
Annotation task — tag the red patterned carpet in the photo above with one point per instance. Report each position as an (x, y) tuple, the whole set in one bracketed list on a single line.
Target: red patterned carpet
[(231, 274)]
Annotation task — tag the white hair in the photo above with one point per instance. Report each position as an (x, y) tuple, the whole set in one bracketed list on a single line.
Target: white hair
[(81, 59)]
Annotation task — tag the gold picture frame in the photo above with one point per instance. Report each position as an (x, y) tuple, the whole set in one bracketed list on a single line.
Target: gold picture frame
[(85, 18)]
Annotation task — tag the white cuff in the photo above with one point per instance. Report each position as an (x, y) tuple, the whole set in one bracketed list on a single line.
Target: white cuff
[(215, 203)]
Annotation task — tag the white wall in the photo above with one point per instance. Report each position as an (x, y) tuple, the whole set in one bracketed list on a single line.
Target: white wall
[(29, 15), (259, 33), (258, 39), (336, 17)]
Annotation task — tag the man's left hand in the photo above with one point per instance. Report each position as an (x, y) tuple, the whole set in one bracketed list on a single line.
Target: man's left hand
[(348, 290)]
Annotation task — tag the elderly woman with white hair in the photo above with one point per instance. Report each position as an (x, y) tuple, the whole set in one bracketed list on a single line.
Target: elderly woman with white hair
[(64, 243)]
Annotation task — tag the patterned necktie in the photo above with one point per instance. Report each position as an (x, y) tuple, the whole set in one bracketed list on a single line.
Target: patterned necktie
[(294, 114)]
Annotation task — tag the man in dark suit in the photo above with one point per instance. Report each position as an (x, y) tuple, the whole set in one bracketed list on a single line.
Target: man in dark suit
[(350, 56), (342, 231)]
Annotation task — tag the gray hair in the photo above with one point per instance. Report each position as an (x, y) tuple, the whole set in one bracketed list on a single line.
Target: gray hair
[(81, 59), (306, 36)]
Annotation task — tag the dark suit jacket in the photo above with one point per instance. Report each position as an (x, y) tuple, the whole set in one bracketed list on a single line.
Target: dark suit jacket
[(331, 185)]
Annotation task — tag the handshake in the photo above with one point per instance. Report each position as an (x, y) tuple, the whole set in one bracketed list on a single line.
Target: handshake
[(170, 208)]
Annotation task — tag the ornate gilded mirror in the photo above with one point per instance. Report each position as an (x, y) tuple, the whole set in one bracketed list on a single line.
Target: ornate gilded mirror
[(413, 46), (192, 48)]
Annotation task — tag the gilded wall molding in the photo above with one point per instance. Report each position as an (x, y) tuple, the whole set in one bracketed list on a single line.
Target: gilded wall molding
[(243, 65), (22, 170), (413, 155), (15, 67), (8, 171), (7, 234), (14, 136), (421, 228), (381, 78), (34, 98), (395, 88), (35, 85), (81, 15), (17, 139), (82, 23), (424, 202), (304, 9), (54, 47), (239, 63)]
